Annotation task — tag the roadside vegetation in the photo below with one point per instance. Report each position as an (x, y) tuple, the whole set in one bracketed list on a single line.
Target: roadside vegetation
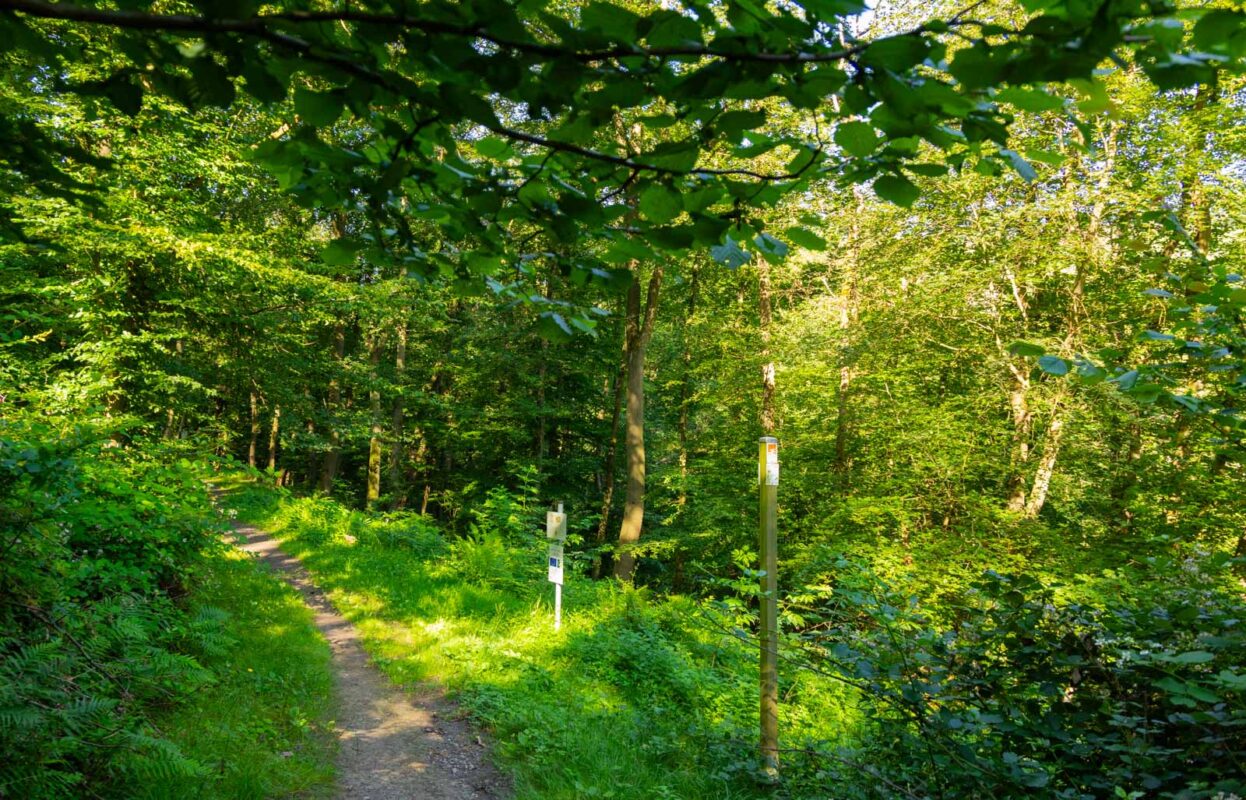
[(139, 656)]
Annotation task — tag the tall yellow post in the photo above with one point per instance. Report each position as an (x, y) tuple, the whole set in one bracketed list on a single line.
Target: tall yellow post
[(768, 485)]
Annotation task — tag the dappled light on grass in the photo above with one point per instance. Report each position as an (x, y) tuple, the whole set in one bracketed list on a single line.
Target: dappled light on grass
[(675, 694), (263, 728)]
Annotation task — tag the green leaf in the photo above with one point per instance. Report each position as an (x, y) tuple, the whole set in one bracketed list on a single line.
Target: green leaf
[(212, 84), (1217, 28), (1045, 157), (1192, 657), (827, 9), (896, 189), (858, 139), (1023, 167), (615, 21), (553, 326), (494, 147), (772, 249), (1029, 99), (125, 93), (896, 53), (341, 252), (928, 170), (803, 237), (1026, 349), (659, 203), (734, 122), (261, 84), (672, 29), (1053, 365), (729, 254), (317, 109)]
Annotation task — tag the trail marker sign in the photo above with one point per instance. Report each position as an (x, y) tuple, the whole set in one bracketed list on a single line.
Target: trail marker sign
[(555, 564), (556, 525), (556, 533)]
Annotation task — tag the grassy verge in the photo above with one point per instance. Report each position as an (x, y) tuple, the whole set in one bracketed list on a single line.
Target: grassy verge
[(634, 697), (261, 729)]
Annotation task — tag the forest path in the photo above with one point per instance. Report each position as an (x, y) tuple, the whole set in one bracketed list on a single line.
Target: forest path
[(394, 745)]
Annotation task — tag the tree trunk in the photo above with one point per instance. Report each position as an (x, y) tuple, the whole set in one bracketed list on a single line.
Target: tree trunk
[(847, 312), (1022, 419), (639, 331), (685, 395), (255, 430), (374, 408), (607, 494), (1047, 464), (273, 435), (397, 485), (170, 423), (328, 469), (309, 427), (767, 365)]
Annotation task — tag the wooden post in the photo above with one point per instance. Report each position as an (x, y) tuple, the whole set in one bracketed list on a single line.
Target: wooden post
[(768, 489), (558, 596)]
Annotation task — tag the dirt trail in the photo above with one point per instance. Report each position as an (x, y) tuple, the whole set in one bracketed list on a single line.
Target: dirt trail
[(394, 745)]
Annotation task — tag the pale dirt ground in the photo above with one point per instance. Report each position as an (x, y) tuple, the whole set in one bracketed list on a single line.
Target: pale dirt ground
[(394, 745)]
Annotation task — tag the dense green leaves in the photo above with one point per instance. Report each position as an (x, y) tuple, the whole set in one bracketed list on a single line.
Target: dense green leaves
[(896, 189)]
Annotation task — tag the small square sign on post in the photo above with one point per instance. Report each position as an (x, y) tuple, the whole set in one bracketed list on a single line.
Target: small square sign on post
[(556, 533), (556, 525), (555, 564)]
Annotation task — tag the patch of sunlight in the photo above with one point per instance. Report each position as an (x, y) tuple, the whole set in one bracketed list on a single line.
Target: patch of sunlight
[(357, 602)]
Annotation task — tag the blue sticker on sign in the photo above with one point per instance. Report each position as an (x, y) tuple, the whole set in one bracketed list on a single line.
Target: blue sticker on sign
[(553, 562)]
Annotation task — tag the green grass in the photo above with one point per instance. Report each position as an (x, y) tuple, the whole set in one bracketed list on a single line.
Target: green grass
[(635, 697), (263, 728)]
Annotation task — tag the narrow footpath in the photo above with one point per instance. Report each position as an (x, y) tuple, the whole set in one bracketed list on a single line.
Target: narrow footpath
[(394, 745)]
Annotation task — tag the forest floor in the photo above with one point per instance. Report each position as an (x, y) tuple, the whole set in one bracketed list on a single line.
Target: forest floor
[(394, 744)]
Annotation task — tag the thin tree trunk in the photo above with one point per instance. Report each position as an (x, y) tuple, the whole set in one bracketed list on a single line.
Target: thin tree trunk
[(1127, 477), (685, 398), (639, 332), (309, 426), (540, 409), (374, 408), (767, 366), (255, 430), (328, 470), (397, 484), (1047, 464), (685, 395), (607, 494), (1022, 419), (170, 426), (273, 435), (847, 312)]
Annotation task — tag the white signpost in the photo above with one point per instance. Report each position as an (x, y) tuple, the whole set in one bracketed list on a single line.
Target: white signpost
[(556, 533)]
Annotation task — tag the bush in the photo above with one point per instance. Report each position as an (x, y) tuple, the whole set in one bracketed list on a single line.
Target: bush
[(98, 543), (1025, 697), (411, 532)]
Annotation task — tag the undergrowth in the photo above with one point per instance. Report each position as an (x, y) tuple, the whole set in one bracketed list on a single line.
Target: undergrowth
[(633, 697), (263, 728), (139, 656), (1009, 692)]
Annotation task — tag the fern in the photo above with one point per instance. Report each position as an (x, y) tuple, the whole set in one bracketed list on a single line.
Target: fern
[(91, 643)]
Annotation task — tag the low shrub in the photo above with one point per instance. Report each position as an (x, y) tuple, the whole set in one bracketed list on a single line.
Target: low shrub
[(1023, 696), (98, 543)]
